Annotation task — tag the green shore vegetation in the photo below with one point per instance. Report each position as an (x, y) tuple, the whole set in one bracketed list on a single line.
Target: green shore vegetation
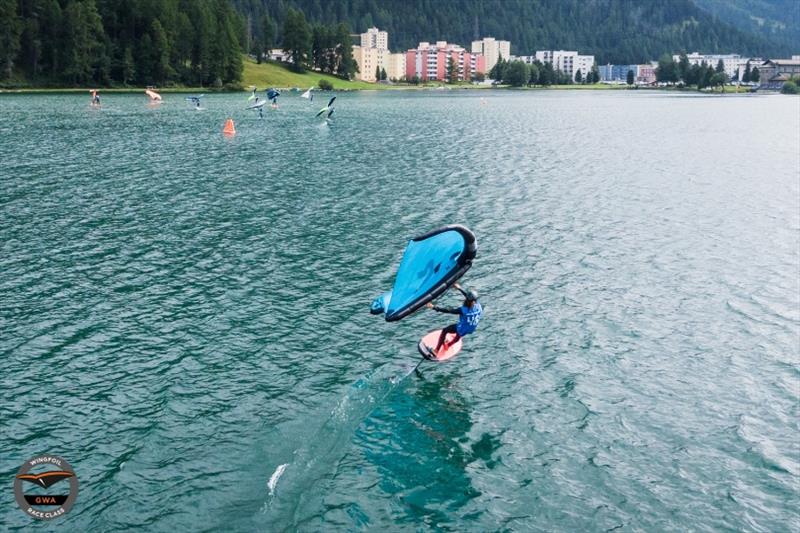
[(275, 74)]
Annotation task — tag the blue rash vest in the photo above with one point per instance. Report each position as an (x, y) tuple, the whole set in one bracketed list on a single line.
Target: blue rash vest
[(468, 319)]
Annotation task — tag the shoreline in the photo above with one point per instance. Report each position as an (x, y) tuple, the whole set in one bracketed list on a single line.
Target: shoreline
[(397, 87)]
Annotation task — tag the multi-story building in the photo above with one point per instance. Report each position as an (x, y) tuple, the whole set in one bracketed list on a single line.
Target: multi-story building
[(368, 60), (568, 62), (397, 67), (430, 61), (584, 65), (734, 64), (373, 55), (617, 72), (374, 38), (492, 50), (646, 74), (773, 73)]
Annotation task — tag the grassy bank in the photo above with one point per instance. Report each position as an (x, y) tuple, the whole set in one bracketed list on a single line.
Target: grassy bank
[(276, 75), (106, 90)]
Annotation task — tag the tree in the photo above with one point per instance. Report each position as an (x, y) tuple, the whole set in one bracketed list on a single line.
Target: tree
[(692, 75), (667, 70), (718, 79), (683, 67), (267, 35), (10, 31), (161, 69), (630, 77), (790, 87), (516, 74), (83, 47), (377, 73), (594, 75), (128, 66), (755, 75), (321, 43), (383, 74), (746, 77), (346, 65), (705, 76), (533, 76), (297, 39), (720, 66), (578, 76), (497, 71), (547, 74), (452, 70)]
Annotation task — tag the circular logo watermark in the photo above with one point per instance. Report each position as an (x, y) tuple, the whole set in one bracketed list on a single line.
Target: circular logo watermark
[(36, 476)]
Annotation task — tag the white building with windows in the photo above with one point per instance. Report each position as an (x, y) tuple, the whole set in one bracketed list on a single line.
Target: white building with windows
[(734, 64), (568, 62), (492, 50)]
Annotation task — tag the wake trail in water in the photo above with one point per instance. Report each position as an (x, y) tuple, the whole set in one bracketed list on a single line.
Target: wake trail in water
[(315, 460)]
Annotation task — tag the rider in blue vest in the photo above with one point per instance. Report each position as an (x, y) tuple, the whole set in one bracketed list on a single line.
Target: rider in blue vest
[(470, 314)]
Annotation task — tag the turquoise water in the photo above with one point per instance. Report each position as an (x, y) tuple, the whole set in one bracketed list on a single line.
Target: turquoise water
[(184, 316)]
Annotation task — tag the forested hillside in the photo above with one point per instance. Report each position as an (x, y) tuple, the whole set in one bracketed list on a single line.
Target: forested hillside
[(621, 31), (104, 42), (200, 42), (778, 20)]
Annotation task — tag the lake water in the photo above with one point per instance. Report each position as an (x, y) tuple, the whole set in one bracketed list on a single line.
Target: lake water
[(184, 316)]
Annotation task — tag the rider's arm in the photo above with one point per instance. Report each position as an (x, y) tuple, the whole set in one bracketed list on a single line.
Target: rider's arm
[(449, 310), (462, 291)]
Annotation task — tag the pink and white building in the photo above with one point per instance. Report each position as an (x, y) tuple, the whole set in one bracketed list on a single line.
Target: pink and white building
[(429, 61), (646, 74)]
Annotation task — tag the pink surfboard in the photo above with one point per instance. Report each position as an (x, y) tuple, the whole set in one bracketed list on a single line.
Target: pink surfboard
[(430, 340)]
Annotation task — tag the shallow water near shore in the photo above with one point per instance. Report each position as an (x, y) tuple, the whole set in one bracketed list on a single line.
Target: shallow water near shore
[(184, 316)]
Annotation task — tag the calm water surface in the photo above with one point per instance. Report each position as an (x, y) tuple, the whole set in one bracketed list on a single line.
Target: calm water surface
[(184, 317)]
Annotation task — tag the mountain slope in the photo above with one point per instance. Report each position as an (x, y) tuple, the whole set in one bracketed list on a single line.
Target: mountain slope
[(617, 31), (777, 20)]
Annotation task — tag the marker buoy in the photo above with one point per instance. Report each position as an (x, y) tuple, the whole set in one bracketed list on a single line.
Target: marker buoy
[(229, 128)]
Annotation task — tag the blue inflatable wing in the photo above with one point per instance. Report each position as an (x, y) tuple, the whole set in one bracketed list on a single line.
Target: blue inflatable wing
[(431, 264), (380, 303)]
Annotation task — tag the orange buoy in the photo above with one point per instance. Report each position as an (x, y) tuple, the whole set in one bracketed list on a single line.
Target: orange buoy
[(229, 128)]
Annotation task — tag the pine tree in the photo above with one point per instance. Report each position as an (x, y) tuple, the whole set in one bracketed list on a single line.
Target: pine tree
[(10, 31), (683, 67), (297, 39), (319, 47), (452, 70), (630, 77), (516, 74), (83, 47), (533, 77), (159, 61), (267, 34), (595, 74), (346, 65), (128, 66)]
